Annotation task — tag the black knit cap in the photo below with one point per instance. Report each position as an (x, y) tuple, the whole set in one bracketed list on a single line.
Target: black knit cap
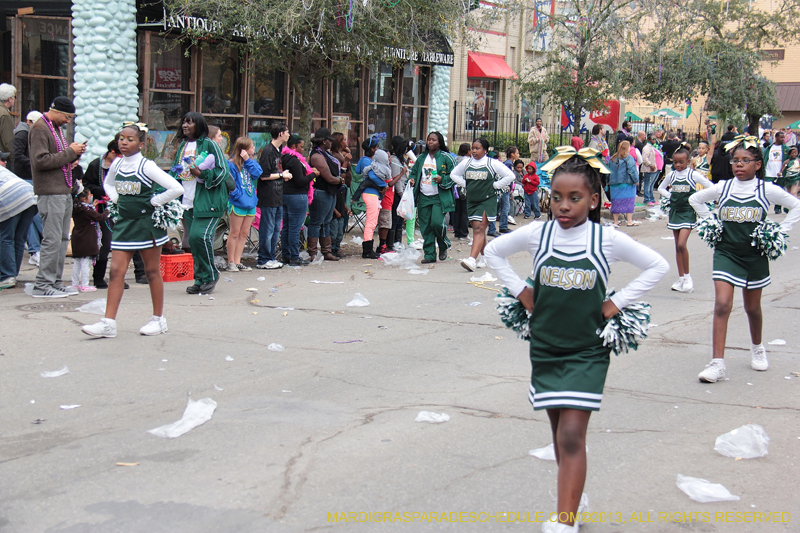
[(63, 104)]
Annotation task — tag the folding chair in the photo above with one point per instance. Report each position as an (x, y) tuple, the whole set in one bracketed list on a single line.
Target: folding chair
[(358, 208), (518, 195)]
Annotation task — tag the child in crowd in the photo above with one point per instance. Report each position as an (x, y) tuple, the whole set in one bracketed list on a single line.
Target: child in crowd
[(791, 172), (242, 200), (743, 204), (678, 186), (137, 186), (571, 260), (530, 186), (85, 238)]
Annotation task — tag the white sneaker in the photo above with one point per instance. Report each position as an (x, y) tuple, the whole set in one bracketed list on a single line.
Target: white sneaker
[(511, 220), (107, 327), (469, 264), (688, 286), (8, 283), (583, 507), (481, 262), (232, 267), (243, 268), (715, 371), (70, 290), (759, 358), (34, 259), (273, 265), (156, 326), (558, 527), (678, 285)]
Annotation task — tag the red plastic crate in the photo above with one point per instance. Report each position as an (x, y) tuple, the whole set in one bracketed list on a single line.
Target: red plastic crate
[(178, 267)]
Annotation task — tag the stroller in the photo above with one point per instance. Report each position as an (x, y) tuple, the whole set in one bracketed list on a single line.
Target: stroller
[(544, 193)]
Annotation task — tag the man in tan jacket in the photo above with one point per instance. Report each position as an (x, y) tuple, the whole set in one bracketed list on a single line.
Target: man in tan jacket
[(649, 170), (51, 169)]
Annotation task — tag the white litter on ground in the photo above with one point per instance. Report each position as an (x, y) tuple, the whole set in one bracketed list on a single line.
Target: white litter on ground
[(326, 282), (260, 278), (486, 277), (358, 301), (433, 418), (95, 307), (357, 240), (548, 453), (218, 388), (418, 271), (703, 491), (228, 358), (275, 347), (196, 414), (473, 304), (65, 407), (748, 442), (777, 342), (55, 373)]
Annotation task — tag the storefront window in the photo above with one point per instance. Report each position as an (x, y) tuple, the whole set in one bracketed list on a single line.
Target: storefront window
[(221, 81), (318, 99), (167, 110), (266, 94), (481, 97), (170, 67), (45, 68), (381, 84), (37, 93), (346, 96), (412, 123), (415, 84), (381, 122), (5, 52)]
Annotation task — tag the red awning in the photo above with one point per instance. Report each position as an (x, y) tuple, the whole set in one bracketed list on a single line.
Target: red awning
[(488, 66)]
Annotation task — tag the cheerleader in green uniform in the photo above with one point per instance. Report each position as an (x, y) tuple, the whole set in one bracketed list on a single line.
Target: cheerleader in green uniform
[(791, 172), (484, 178), (743, 203), (572, 256), (136, 185), (678, 186)]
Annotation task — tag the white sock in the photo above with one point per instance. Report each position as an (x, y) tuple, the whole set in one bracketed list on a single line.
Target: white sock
[(756, 346), (110, 321), (687, 276)]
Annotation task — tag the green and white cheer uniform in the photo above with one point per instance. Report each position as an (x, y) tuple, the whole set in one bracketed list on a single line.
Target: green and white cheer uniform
[(570, 273), (137, 185), (482, 177), (742, 206), (681, 186)]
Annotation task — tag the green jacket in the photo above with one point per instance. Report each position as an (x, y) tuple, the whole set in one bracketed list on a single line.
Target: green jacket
[(211, 196), (445, 163)]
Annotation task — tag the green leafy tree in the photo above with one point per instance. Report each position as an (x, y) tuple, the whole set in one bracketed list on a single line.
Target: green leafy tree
[(313, 40)]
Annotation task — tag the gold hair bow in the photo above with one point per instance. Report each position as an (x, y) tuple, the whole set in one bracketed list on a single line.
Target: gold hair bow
[(141, 125), (565, 153), (748, 140)]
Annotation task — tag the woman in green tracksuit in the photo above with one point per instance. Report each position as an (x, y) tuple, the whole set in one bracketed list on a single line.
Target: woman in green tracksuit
[(205, 197), (433, 195)]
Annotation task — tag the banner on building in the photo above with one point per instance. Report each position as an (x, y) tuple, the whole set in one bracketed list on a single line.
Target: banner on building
[(607, 117)]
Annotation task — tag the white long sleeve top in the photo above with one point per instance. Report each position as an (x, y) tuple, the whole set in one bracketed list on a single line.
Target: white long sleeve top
[(617, 246), (683, 174), (129, 164), (506, 174), (746, 189)]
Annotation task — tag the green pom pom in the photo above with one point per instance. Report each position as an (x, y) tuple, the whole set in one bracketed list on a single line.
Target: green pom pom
[(710, 230), (664, 204), (113, 211), (513, 314), (625, 330), (770, 239), (167, 216)]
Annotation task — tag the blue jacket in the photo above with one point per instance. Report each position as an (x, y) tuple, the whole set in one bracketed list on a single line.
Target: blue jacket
[(623, 172), (240, 197)]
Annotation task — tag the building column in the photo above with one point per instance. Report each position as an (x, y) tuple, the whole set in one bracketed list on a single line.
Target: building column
[(106, 73), (439, 102)]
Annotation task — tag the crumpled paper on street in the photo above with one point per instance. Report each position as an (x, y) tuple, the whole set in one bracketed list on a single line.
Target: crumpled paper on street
[(433, 418), (196, 414), (703, 491), (55, 373)]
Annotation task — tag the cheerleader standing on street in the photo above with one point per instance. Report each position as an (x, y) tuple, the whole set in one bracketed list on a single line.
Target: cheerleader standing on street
[(571, 260), (743, 204), (791, 172), (682, 183), (482, 177), (701, 163), (133, 183)]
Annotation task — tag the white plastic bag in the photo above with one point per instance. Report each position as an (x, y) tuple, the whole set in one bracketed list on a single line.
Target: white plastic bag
[(747, 442), (703, 491), (358, 301), (405, 208), (433, 418), (196, 414)]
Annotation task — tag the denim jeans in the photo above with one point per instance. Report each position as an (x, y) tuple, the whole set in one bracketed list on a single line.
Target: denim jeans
[(532, 203), (647, 187), (338, 226), (295, 207), (269, 229), (13, 233), (321, 213), (503, 206)]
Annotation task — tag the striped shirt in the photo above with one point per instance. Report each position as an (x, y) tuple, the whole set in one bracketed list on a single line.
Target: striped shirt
[(16, 194)]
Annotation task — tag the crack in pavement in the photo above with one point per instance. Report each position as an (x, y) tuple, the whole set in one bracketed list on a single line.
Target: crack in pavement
[(656, 397)]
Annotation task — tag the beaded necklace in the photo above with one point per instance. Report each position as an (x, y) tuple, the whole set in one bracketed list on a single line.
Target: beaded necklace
[(247, 182), (61, 145)]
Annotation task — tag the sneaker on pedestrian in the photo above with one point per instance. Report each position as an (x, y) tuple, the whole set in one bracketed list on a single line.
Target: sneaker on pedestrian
[(505, 230), (70, 290), (156, 326), (469, 264), (262, 266), (491, 234), (678, 285), (86, 288), (232, 267), (48, 292), (481, 262), (688, 285), (273, 265), (512, 220), (8, 283), (651, 204), (107, 327), (243, 268), (758, 359), (526, 217), (714, 371), (557, 527), (34, 259)]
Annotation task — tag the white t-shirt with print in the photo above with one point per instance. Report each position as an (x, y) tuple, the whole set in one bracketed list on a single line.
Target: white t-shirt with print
[(427, 186), (186, 178), (774, 161)]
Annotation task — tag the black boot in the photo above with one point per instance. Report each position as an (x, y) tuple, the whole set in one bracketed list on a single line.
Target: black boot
[(390, 241), (366, 251)]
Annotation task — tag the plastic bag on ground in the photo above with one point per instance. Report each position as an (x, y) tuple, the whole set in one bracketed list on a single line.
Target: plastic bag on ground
[(357, 240), (548, 453), (433, 418), (405, 259), (747, 442), (275, 347), (703, 491), (55, 373), (220, 263), (358, 301), (318, 259), (486, 277), (96, 307), (196, 414), (29, 289), (304, 255), (418, 271)]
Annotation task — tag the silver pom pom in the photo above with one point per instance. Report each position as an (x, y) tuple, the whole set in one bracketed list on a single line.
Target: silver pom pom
[(664, 204), (710, 230), (113, 211), (770, 239), (626, 329), (167, 216), (513, 314)]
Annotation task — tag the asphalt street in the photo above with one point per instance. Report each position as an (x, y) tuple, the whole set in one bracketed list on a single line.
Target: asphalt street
[(322, 436)]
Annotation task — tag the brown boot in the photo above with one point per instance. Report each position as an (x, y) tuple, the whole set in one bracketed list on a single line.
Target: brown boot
[(312, 247), (325, 247)]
